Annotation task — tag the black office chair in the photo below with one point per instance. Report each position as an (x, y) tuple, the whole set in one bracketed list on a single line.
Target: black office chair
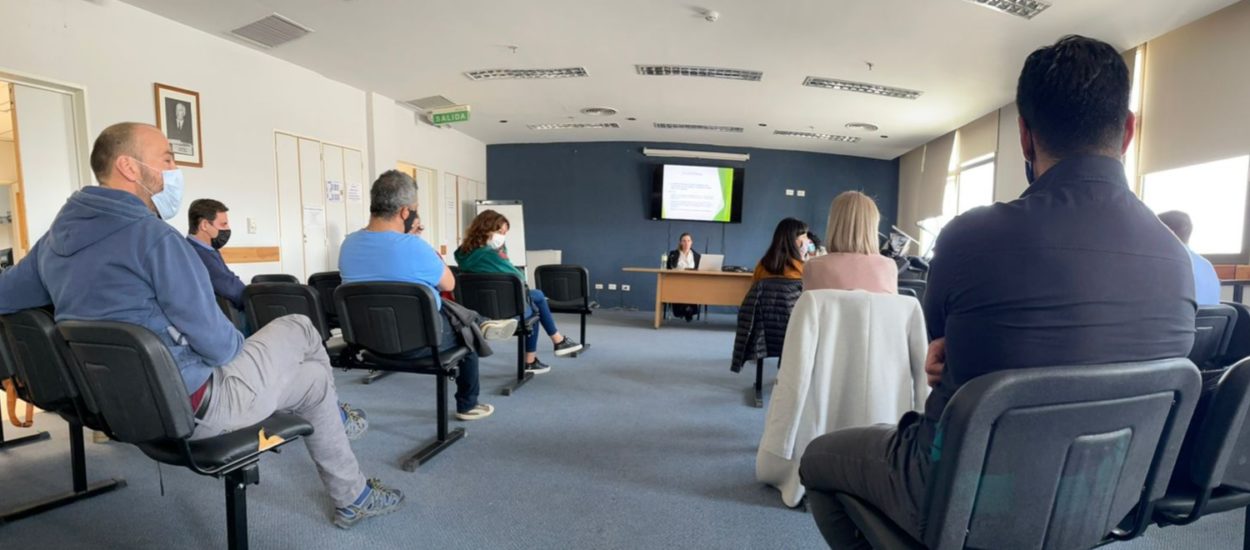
[(1214, 325), (500, 296), (913, 287), (1047, 458), (385, 325), (7, 370), (1239, 344), (264, 302), (455, 292), (275, 278), (227, 308), (568, 291), (1217, 473), (325, 283), (43, 365)]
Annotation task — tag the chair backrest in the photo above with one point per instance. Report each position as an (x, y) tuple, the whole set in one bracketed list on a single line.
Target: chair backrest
[(566, 286), (388, 318), (493, 295), (1214, 325), (275, 278), (133, 379), (267, 301), (1239, 343), (1223, 439), (325, 283), (1056, 457), (41, 362), (227, 309), (455, 271), (916, 286)]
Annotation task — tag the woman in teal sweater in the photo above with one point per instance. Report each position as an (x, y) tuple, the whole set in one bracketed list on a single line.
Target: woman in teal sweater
[(483, 251)]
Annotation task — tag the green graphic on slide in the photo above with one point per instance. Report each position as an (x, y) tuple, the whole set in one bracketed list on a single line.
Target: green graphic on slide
[(727, 191)]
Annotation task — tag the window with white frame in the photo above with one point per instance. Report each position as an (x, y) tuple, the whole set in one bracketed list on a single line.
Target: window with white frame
[(1214, 196)]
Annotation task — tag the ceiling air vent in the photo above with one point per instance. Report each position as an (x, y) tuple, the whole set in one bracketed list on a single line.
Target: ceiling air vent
[(271, 31), (574, 126), (703, 127), (706, 72), (526, 74), (430, 103), (861, 87), (1027, 9), (814, 135)]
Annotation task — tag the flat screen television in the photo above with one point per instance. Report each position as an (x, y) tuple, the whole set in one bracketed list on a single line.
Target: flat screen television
[(697, 193)]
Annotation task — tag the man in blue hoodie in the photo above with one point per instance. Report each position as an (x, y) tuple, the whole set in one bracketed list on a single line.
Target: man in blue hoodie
[(107, 257)]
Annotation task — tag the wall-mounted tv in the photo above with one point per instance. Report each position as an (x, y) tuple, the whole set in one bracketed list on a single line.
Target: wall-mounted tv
[(697, 193)]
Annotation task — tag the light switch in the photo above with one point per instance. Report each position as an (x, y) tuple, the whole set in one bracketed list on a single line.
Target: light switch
[(251, 226)]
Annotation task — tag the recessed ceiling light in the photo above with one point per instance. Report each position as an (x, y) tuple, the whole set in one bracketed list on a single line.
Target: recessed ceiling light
[(503, 122), (599, 111), (707, 72), (863, 126), (704, 127), (861, 87), (817, 135), (1027, 9), (526, 74), (631, 118), (574, 126), (885, 137), (762, 125)]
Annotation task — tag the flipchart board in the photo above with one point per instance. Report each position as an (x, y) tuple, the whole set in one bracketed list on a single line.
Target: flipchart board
[(516, 226)]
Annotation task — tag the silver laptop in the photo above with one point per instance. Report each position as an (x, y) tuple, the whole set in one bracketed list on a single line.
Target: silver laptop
[(711, 262)]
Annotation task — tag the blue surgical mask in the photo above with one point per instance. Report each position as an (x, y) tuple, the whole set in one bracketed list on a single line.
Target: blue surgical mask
[(811, 247), (170, 198)]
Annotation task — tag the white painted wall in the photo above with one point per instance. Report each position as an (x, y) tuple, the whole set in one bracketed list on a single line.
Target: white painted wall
[(116, 52)]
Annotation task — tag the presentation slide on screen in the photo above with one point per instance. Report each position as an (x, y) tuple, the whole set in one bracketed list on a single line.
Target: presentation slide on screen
[(702, 193)]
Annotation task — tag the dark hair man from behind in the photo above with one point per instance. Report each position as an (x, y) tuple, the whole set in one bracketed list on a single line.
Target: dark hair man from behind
[(1206, 280), (1077, 271), (208, 230)]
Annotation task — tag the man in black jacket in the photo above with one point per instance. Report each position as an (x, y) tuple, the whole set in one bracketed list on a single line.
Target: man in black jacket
[(1077, 271)]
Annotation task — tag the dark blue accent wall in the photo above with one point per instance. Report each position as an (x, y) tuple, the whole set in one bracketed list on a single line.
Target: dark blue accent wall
[(591, 200)]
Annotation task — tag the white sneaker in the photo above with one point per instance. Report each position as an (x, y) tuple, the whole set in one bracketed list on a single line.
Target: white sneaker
[(496, 329), (482, 410)]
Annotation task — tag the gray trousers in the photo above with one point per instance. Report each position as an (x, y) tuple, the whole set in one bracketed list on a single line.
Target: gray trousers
[(284, 367), (881, 464)]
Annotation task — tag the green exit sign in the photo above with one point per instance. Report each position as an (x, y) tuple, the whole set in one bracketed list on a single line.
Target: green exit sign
[(448, 117)]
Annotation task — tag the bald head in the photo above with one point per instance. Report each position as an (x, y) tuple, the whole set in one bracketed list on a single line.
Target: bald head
[(130, 156), (1179, 223)]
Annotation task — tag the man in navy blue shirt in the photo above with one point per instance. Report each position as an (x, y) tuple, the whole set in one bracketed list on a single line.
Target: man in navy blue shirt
[(1077, 271), (208, 229)]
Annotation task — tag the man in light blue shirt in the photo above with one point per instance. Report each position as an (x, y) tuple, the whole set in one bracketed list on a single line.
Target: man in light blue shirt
[(1206, 282)]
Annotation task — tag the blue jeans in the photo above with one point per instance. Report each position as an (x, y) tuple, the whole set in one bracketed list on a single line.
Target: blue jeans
[(467, 386), (544, 317)]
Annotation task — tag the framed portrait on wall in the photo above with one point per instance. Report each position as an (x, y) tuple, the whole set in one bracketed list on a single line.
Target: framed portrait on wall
[(178, 117)]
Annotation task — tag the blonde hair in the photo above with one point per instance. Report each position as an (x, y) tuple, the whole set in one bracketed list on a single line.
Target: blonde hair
[(852, 227)]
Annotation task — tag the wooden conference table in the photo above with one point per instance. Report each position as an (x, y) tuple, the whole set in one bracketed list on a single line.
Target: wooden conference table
[(714, 288)]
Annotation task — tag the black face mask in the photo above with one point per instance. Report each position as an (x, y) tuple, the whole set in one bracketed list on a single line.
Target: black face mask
[(223, 236), (1028, 171), (410, 221)]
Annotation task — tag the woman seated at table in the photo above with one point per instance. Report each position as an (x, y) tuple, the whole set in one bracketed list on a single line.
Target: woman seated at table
[(854, 261), (684, 258), (784, 258), (483, 251)]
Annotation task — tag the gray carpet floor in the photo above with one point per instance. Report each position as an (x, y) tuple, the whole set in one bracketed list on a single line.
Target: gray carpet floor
[(644, 441)]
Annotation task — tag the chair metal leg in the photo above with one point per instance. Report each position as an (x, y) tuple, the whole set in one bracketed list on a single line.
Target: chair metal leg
[(585, 346), (1245, 531), (236, 504), (24, 440), (82, 490), (375, 375), (521, 376), (759, 383), (444, 439)]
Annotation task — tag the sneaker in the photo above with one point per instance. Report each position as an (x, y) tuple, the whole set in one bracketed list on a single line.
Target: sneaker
[(376, 500), (567, 346), (354, 421), (537, 367), (482, 410), (496, 329)]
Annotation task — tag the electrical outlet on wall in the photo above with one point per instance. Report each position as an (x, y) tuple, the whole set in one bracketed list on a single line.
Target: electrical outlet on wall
[(789, 192), (611, 286), (251, 226), (598, 286), (624, 288), (802, 192)]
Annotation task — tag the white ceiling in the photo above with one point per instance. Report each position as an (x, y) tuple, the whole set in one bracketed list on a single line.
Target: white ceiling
[(965, 58)]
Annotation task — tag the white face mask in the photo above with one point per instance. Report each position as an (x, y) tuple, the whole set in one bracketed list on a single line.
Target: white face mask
[(497, 240)]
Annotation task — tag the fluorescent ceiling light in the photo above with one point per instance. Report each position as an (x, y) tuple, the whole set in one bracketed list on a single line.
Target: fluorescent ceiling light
[(705, 127), (707, 155), (573, 126), (815, 135), (526, 74), (861, 87), (707, 72), (1027, 9)]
